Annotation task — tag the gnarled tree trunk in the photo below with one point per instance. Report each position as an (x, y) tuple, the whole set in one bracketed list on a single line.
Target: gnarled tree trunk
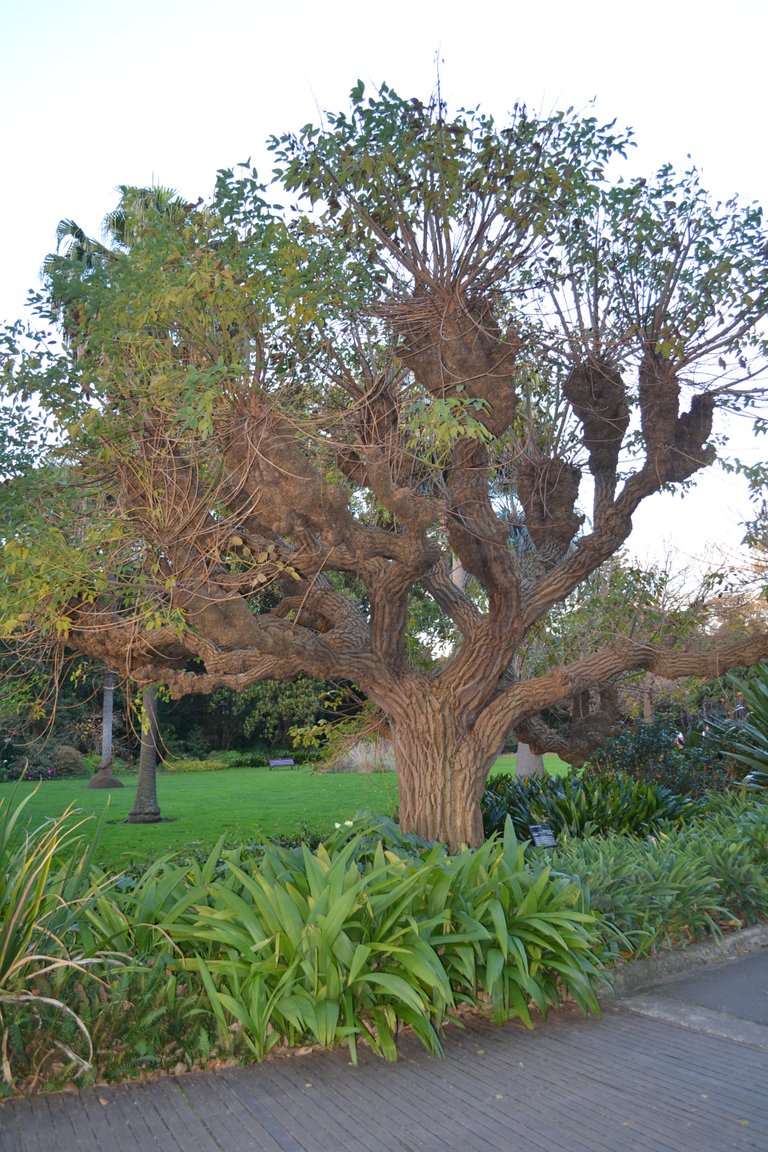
[(441, 771)]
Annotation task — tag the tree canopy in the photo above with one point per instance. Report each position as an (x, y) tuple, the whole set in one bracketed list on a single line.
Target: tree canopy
[(439, 358)]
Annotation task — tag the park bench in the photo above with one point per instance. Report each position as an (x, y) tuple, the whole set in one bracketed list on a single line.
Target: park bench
[(282, 762)]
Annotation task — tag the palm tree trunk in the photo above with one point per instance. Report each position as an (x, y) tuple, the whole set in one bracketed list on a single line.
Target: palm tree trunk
[(103, 776), (107, 715), (146, 809), (528, 763)]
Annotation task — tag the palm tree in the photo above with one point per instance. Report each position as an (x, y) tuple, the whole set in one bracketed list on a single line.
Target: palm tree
[(104, 777), (137, 209), (78, 259), (146, 809)]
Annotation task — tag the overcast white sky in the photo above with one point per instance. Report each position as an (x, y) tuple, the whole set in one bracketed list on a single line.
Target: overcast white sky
[(96, 93)]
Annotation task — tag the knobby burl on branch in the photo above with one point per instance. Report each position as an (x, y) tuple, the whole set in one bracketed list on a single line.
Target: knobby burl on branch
[(285, 507)]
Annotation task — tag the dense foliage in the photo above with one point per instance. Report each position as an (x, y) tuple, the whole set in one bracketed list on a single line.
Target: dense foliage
[(234, 955), (345, 943), (648, 752), (679, 884), (582, 805), (745, 740)]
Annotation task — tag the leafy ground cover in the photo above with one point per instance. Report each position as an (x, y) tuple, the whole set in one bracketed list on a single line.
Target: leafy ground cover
[(678, 885), (201, 958), (232, 956), (582, 805), (243, 804)]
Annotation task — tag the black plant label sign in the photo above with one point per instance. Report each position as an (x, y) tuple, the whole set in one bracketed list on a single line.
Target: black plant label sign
[(542, 836)]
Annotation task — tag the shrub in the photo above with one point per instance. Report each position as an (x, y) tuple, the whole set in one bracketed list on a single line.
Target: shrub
[(210, 764), (254, 756), (181, 741), (678, 885), (119, 765), (732, 835), (751, 824), (302, 754), (746, 740), (44, 887), (31, 760), (246, 759), (67, 761), (370, 831), (351, 941), (141, 1019), (581, 805), (647, 752), (649, 892), (252, 948)]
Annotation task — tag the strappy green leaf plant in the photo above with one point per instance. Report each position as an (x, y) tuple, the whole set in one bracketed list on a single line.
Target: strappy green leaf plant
[(746, 740), (583, 805), (353, 942), (44, 885), (676, 886)]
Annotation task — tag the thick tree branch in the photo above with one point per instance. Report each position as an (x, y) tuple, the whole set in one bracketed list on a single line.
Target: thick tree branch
[(453, 601), (525, 698)]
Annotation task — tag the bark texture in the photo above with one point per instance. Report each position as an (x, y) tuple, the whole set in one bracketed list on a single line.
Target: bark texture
[(146, 809), (442, 771), (104, 777)]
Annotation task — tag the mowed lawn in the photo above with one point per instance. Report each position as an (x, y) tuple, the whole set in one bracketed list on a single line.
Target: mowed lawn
[(244, 804)]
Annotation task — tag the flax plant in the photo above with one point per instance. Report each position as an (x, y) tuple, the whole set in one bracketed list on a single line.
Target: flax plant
[(43, 886)]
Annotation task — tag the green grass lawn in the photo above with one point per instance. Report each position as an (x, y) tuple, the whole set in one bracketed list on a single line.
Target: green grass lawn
[(553, 764), (246, 804)]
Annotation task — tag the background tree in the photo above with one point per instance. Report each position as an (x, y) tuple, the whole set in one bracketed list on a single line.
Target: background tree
[(146, 809), (338, 394), (68, 274), (267, 709), (104, 776)]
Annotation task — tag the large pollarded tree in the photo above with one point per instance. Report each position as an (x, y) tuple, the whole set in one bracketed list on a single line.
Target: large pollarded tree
[(282, 425)]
